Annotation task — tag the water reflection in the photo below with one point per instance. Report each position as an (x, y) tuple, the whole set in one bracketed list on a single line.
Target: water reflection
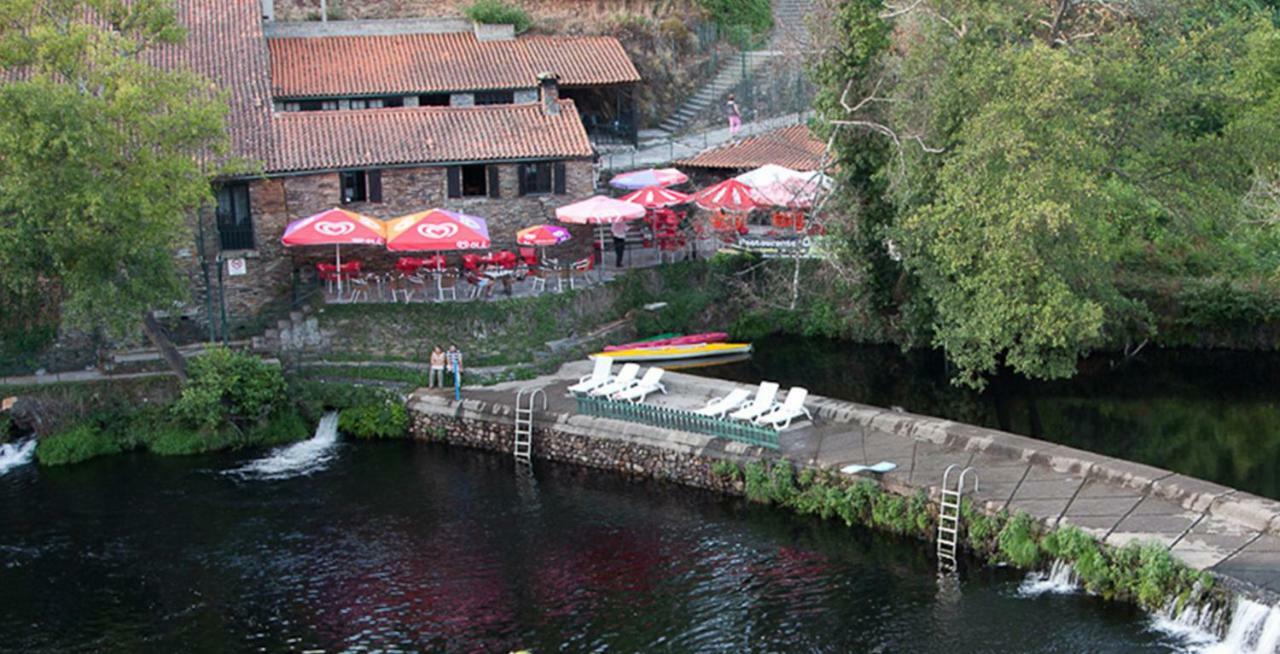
[(1208, 414)]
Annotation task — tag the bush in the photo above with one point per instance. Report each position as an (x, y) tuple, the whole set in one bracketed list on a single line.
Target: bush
[(176, 440), (497, 12), (1017, 542), (229, 387), (380, 420), (757, 481), (80, 443), (284, 426), (726, 470), (740, 19)]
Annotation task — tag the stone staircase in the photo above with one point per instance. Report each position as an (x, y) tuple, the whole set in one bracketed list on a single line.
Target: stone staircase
[(790, 26), (732, 72)]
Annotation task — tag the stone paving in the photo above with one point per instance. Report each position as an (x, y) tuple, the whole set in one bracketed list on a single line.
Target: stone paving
[(1234, 534)]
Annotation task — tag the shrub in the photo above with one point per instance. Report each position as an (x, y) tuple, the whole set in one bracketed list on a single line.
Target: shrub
[(890, 513), (782, 484), (757, 481), (726, 470), (80, 443), (384, 419), (919, 518), (740, 19), (284, 426), (1017, 542), (176, 440), (497, 12), (859, 499), (225, 386)]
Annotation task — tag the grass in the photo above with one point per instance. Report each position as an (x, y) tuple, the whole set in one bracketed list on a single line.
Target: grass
[(80, 443)]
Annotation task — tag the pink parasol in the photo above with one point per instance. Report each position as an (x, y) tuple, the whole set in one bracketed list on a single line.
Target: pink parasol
[(543, 235), (435, 230), (653, 197), (729, 195), (336, 227), (599, 210), (637, 179)]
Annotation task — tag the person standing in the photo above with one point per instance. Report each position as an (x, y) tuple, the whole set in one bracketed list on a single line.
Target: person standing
[(619, 230), (735, 116), (453, 359), (435, 377)]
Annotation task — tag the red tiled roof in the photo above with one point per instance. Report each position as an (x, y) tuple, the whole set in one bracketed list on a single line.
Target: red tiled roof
[(225, 44), (434, 63), (319, 140), (794, 147)]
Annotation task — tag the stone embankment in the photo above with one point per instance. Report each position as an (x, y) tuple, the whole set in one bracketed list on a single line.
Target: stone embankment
[(1233, 534)]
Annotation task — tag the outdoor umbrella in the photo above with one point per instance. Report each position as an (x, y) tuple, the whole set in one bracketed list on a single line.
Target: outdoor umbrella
[(542, 236), (729, 195), (599, 210), (336, 227), (769, 174), (435, 230), (653, 197), (638, 179)]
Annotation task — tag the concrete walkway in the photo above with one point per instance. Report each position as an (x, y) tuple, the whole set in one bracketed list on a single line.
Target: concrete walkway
[(1231, 533), (658, 154)]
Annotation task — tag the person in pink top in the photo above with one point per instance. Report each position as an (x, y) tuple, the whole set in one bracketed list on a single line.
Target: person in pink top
[(735, 116)]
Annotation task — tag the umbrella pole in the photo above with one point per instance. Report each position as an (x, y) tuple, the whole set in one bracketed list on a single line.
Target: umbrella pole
[(337, 255)]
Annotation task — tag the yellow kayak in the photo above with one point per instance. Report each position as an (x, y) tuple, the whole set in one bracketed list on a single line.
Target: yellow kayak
[(676, 352)]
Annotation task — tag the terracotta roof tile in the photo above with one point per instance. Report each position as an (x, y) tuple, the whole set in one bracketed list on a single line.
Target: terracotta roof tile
[(318, 140), (794, 147), (434, 63)]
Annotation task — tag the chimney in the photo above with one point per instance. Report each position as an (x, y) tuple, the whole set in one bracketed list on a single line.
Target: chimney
[(549, 89), (268, 10)]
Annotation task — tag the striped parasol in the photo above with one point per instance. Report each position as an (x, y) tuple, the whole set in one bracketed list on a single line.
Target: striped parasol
[(729, 195), (654, 197)]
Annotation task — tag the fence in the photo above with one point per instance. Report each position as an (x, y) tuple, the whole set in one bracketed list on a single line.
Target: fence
[(679, 420)]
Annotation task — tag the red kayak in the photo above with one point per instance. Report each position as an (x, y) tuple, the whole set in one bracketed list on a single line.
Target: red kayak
[(691, 339)]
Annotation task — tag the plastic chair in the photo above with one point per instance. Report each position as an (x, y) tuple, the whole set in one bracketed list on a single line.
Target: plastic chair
[(447, 283), (529, 256), (471, 262)]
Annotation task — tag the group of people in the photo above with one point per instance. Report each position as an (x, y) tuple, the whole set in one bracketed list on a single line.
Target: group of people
[(442, 360)]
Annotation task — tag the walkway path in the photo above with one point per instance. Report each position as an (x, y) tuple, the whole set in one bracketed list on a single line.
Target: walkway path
[(682, 147), (1234, 534)]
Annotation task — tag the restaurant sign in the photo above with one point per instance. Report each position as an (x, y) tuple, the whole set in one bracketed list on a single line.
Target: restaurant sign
[(773, 247)]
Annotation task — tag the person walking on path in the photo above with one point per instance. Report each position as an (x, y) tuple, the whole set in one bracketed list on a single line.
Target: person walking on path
[(454, 359), (619, 230), (735, 116), (435, 377)]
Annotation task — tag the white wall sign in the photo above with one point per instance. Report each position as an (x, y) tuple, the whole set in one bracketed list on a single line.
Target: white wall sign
[(236, 267)]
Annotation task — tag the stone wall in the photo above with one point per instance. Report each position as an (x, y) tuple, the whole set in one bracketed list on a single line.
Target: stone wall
[(276, 201)]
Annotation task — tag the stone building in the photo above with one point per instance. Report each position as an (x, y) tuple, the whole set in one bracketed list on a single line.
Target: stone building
[(384, 118)]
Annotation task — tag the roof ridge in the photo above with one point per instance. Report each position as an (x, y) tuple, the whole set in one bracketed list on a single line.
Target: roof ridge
[(494, 108)]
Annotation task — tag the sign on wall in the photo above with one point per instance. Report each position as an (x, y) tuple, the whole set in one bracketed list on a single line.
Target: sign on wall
[(237, 267)]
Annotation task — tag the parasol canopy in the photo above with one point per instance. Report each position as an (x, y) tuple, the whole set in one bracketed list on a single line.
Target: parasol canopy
[(638, 179), (436, 230), (599, 210), (334, 227), (729, 195), (769, 174), (653, 197), (543, 235)]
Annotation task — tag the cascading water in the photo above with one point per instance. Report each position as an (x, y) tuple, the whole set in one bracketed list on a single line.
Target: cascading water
[(1060, 578), (304, 458), (13, 455), (1254, 629)]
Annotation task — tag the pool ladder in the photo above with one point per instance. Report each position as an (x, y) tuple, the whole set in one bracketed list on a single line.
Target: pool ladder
[(949, 516), (525, 400)]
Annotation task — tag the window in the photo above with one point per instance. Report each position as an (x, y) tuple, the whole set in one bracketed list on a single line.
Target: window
[(377, 103), (235, 224), (361, 186), (495, 97), (475, 180), (312, 105), (434, 100), (541, 178)]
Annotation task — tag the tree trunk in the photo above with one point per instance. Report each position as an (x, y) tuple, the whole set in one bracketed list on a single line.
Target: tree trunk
[(158, 338)]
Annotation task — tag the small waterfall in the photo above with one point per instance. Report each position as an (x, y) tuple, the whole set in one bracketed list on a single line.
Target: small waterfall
[(303, 458), (1059, 579), (1254, 629), (13, 455)]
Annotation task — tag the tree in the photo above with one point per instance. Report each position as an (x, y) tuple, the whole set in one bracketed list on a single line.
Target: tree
[(103, 157)]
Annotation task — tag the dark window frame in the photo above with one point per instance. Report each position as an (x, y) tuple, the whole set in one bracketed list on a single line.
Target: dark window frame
[(365, 185), (233, 216), (434, 100), (473, 180), (537, 178), (483, 98)]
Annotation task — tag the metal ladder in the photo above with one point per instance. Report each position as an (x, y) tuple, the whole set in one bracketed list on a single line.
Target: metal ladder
[(949, 516), (524, 422)]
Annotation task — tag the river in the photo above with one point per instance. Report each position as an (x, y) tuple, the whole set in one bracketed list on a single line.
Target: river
[(406, 546), (1214, 415)]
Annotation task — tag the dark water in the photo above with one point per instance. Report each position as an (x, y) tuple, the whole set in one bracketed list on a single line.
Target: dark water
[(1209, 414), (410, 547)]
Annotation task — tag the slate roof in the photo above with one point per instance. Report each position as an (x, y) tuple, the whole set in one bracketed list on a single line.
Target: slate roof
[(794, 147), (332, 66), (319, 140)]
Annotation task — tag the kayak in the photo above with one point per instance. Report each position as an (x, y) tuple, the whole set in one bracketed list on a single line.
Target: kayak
[(675, 352), (672, 339)]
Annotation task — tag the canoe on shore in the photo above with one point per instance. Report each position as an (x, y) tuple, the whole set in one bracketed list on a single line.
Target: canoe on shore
[(677, 352), (671, 339)]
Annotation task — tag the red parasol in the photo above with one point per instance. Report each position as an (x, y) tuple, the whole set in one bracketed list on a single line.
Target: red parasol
[(729, 195), (653, 197)]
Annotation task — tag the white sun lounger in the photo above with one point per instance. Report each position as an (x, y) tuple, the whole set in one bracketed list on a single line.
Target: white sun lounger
[(652, 381), (599, 376), (879, 468), (762, 404), (792, 408), (718, 406), (626, 377)]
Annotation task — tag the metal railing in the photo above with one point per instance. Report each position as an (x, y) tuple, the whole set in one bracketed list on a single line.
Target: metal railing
[(678, 419)]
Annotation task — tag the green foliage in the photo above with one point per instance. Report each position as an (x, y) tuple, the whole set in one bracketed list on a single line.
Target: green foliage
[(386, 419), (756, 479), (80, 443), (6, 427), (498, 12), (782, 484), (226, 387), (315, 398), (1017, 541), (286, 425), (741, 19), (726, 470), (103, 157), (176, 440), (890, 514)]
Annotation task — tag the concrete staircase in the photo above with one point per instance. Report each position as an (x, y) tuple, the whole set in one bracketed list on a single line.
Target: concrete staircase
[(732, 72), (790, 26)]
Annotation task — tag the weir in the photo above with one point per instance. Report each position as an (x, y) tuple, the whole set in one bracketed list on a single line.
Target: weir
[(1233, 534)]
